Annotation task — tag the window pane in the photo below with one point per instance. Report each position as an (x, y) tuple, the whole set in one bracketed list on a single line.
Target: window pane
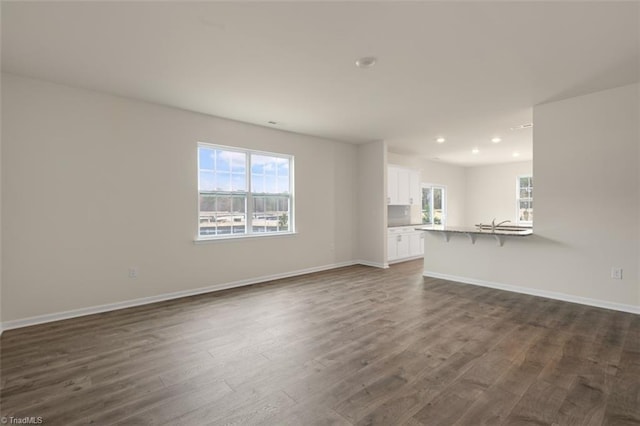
[(283, 204), (270, 214), (205, 158), (264, 164), (257, 183), (223, 181), (238, 163), (258, 222), (207, 222), (257, 164), (239, 204), (526, 211), (207, 181), (270, 185), (239, 214), (283, 184), (238, 182), (437, 206), (207, 203), (426, 206), (269, 174), (271, 167), (283, 214), (223, 160), (258, 204), (525, 199), (437, 199), (222, 214), (283, 221), (283, 167)]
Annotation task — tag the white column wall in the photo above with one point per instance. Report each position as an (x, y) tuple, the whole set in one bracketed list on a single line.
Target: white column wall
[(587, 193)]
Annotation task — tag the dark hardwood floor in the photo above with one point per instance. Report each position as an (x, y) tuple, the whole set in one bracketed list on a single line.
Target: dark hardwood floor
[(352, 346)]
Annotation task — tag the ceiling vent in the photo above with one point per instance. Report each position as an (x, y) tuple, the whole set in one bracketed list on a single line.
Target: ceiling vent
[(522, 126)]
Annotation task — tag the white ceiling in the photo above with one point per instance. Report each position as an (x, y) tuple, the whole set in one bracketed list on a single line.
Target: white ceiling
[(465, 71)]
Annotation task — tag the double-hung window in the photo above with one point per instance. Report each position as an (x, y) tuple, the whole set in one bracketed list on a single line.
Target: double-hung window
[(524, 200), (243, 192)]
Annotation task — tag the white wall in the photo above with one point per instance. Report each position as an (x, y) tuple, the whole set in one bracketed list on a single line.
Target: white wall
[(1, 172), (372, 207), (587, 209), (491, 192), (453, 177), (94, 184)]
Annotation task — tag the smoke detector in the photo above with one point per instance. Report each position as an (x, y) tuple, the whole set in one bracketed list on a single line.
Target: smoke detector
[(366, 62)]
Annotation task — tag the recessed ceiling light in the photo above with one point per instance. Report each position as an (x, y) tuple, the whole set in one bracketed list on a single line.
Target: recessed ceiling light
[(475, 150), (366, 62), (496, 140), (516, 154), (440, 140)]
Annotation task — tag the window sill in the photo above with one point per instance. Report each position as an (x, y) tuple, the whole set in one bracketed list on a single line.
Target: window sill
[(206, 240)]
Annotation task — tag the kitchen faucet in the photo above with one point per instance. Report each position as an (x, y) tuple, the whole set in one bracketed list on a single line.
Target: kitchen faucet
[(494, 225)]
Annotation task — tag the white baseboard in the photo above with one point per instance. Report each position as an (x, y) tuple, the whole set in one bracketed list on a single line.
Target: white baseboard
[(40, 319), (406, 259), (535, 292), (373, 264)]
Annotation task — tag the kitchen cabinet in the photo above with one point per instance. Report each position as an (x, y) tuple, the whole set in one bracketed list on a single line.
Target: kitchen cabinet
[(392, 186), (416, 243), (415, 188), (404, 243), (403, 186)]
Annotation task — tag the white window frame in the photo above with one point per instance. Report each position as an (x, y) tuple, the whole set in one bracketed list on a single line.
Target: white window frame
[(518, 200), (444, 201), (249, 233)]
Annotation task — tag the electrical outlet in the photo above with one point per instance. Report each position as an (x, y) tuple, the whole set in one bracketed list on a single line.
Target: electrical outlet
[(616, 273), (133, 272)]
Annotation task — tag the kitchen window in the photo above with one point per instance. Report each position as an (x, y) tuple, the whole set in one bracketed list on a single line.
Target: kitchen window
[(524, 200), (433, 204), (243, 192)]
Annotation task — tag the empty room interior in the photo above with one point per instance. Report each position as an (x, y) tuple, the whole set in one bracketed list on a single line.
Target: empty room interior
[(320, 213)]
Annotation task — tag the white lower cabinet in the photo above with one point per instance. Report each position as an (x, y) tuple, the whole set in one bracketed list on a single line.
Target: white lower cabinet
[(403, 246), (404, 243), (416, 243), (392, 247)]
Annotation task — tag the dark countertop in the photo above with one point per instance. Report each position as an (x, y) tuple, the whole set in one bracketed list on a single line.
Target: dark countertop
[(404, 226), (525, 231)]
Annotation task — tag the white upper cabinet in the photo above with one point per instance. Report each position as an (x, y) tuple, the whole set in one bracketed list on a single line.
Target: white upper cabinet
[(403, 186), (415, 188), (392, 185)]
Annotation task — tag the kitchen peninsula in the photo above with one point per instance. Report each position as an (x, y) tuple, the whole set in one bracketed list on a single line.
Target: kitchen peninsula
[(472, 232)]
